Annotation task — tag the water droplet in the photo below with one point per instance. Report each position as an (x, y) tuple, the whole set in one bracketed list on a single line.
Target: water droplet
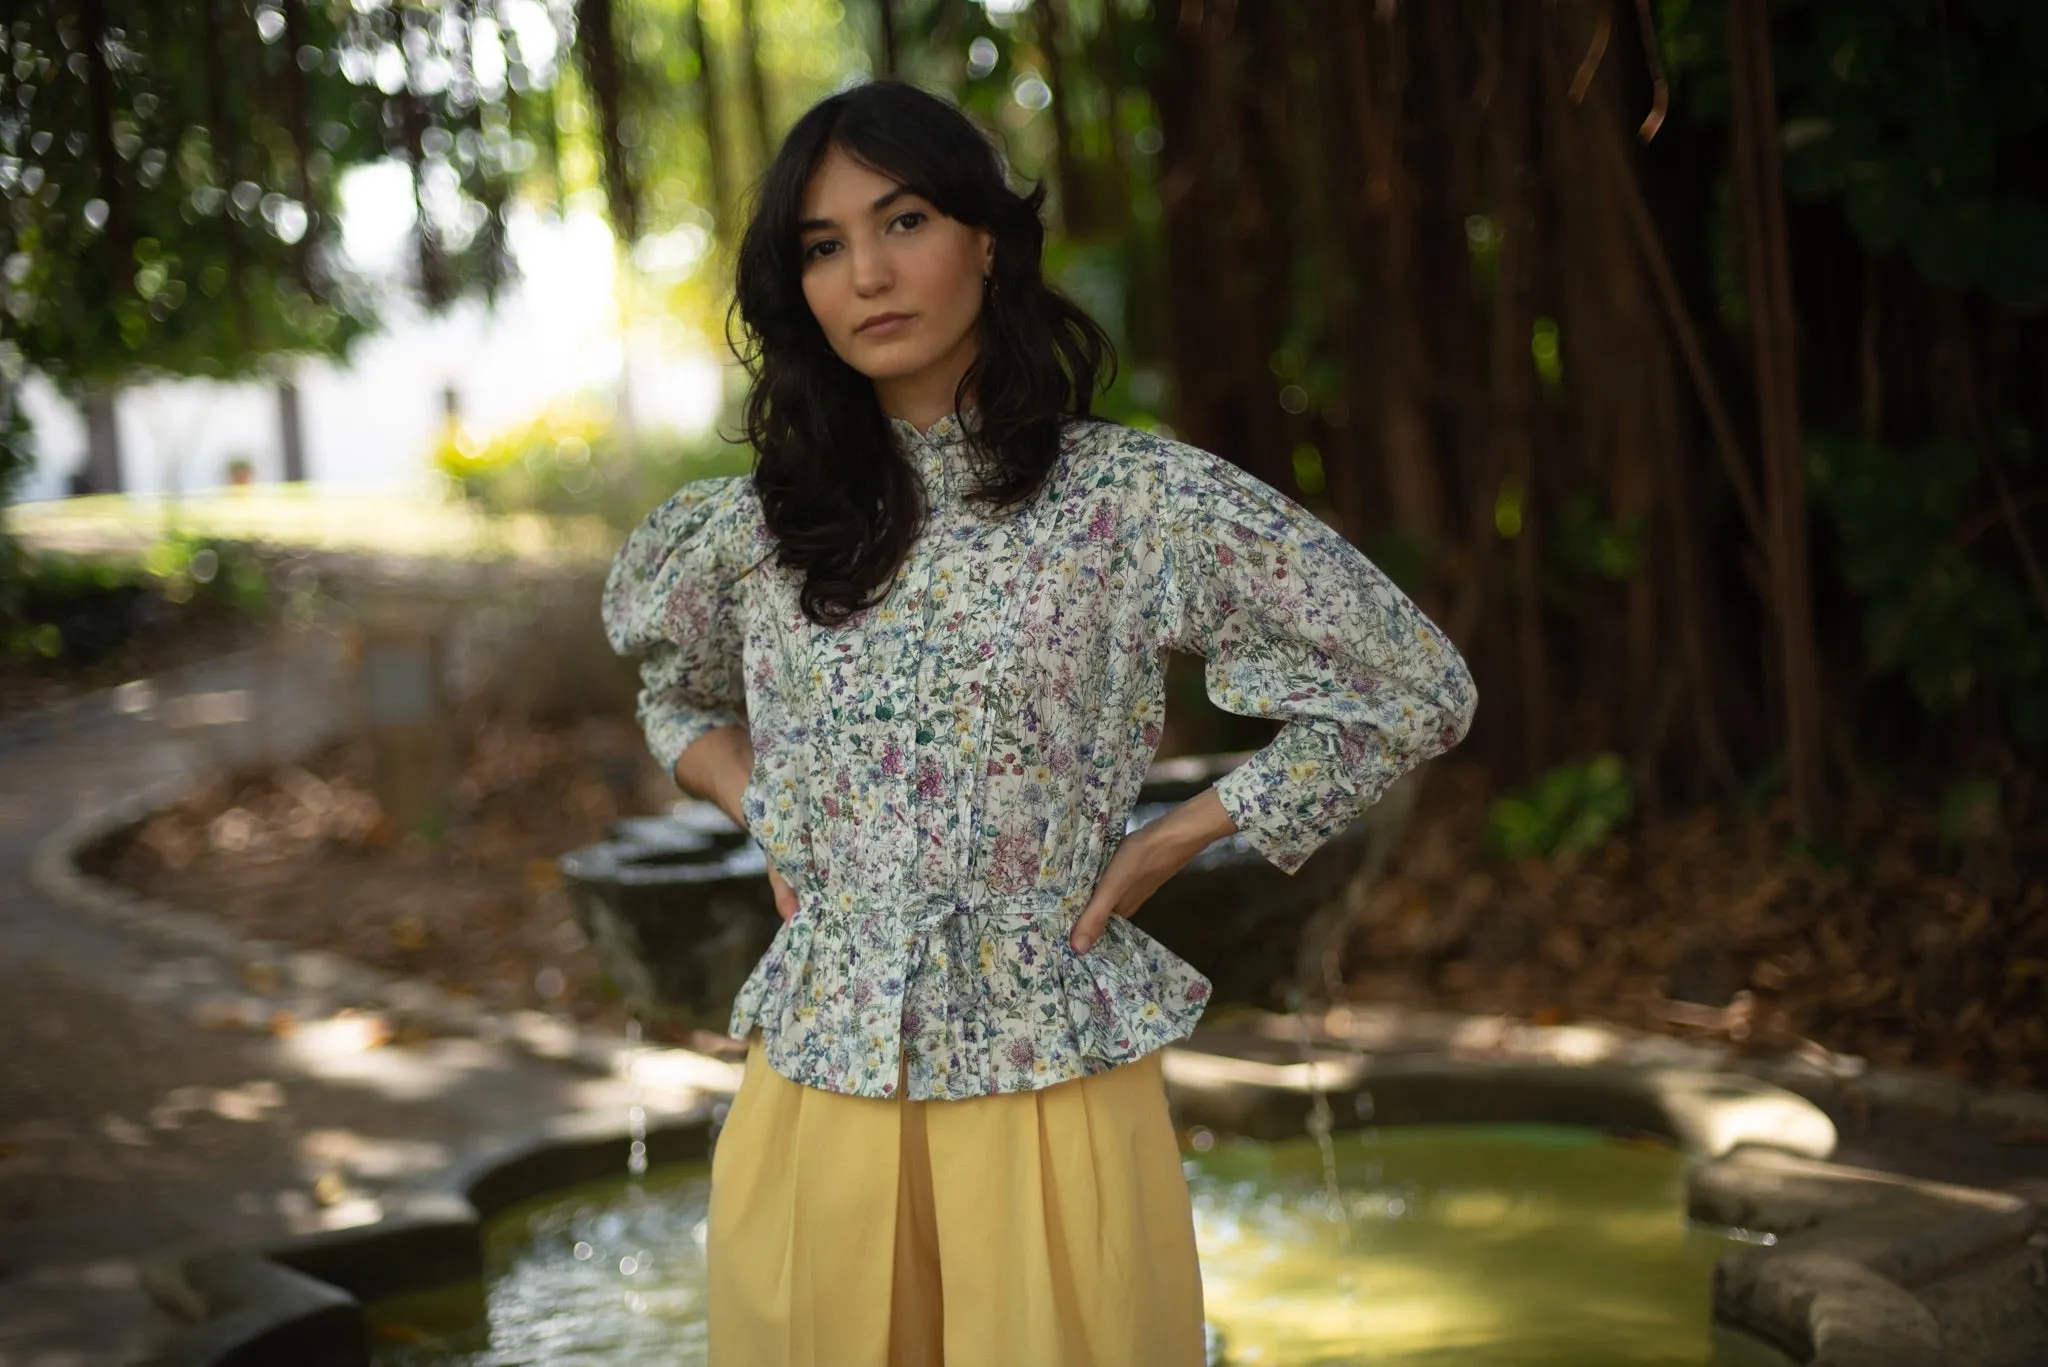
[(628, 1265), (583, 1251)]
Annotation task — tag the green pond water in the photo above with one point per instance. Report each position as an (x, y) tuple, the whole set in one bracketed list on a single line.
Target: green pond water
[(1480, 1246)]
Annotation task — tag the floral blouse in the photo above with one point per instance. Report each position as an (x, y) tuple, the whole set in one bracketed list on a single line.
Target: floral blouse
[(943, 778)]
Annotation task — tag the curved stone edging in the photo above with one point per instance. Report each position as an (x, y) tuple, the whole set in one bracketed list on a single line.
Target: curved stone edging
[(299, 1303), (55, 873), (1853, 1248), (1826, 1309)]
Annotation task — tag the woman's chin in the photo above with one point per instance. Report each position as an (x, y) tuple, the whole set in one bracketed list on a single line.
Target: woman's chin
[(888, 363)]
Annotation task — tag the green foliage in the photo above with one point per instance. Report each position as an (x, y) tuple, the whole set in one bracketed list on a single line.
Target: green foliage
[(1918, 545), (74, 611), (1917, 117), (17, 445), (573, 461), (1570, 809), (1591, 543), (170, 184), (1968, 810)]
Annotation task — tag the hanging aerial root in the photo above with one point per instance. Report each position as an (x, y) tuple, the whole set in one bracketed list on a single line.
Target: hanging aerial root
[(1660, 102)]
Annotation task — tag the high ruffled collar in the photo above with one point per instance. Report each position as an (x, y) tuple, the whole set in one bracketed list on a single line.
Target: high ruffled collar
[(938, 453)]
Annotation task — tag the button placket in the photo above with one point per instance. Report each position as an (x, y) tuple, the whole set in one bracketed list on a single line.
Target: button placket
[(934, 456)]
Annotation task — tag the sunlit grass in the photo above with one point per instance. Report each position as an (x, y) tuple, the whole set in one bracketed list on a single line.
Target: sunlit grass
[(298, 515)]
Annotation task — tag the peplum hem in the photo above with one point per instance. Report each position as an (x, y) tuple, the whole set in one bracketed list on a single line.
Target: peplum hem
[(971, 1000)]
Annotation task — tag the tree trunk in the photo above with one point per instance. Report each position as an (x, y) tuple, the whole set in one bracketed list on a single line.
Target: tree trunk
[(604, 71), (1181, 94), (1075, 202), (291, 432), (712, 117), (103, 473), (757, 85), (885, 17), (1399, 354), (1759, 193), (1514, 379)]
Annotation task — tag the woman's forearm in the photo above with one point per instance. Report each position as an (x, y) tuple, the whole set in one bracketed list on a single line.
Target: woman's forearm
[(716, 768), (1196, 824)]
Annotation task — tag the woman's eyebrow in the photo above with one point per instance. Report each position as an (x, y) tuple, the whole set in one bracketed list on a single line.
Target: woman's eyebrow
[(809, 225)]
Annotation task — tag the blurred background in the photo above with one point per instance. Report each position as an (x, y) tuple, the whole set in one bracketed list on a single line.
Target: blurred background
[(1684, 358)]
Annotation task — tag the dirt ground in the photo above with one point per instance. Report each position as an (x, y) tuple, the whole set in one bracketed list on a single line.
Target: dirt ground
[(1902, 952), (307, 856)]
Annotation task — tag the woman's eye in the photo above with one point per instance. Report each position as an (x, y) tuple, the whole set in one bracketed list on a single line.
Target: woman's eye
[(815, 250), (916, 216)]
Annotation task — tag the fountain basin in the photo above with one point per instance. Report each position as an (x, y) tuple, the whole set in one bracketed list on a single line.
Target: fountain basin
[(1838, 1286), (678, 909), (1461, 1243)]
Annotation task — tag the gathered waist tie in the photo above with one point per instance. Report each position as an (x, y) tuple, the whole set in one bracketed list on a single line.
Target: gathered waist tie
[(933, 911)]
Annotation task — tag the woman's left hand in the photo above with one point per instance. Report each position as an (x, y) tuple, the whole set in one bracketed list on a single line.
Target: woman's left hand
[(1145, 859)]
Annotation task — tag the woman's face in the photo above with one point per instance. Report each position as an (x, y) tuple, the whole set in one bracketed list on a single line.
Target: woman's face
[(895, 284)]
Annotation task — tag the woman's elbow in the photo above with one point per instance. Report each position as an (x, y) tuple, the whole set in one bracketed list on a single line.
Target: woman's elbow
[(1458, 696)]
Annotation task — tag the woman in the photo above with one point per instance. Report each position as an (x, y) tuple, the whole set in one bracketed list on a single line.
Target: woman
[(917, 654)]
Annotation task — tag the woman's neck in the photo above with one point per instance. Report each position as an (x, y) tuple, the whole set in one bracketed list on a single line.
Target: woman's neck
[(922, 399)]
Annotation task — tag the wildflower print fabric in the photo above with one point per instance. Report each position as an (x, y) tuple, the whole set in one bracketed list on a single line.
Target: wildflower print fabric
[(943, 778)]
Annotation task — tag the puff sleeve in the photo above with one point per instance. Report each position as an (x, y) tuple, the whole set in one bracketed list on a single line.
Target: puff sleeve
[(1297, 625), (669, 598)]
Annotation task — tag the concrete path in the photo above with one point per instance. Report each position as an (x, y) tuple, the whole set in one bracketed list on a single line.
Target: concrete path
[(140, 1115)]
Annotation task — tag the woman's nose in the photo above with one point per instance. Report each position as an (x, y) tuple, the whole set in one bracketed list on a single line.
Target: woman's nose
[(871, 271)]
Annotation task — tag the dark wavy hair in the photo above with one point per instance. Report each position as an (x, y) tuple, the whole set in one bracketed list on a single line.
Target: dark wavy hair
[(842, 504)]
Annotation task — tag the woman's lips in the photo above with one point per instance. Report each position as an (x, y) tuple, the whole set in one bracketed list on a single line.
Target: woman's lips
[(884, 325)]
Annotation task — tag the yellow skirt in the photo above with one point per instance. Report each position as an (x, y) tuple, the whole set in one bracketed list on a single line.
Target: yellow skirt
[(1029, 1229)]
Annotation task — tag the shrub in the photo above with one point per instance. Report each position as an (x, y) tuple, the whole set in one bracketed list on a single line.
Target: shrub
[(1570, 809), (573, 461), (76, 611)]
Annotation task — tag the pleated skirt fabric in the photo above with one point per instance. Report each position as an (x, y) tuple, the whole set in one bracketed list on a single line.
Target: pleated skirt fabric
[(1027, 1229)]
